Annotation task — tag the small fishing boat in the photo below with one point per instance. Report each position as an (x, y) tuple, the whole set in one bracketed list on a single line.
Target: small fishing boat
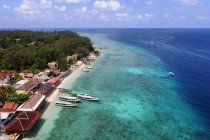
[(85, 96), (65, 104), (94, 99), (85, 70), (69, 99), (64, 90), (171, 73), (89, 67)]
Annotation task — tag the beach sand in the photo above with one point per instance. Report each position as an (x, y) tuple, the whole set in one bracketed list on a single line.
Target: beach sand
[(45, 124)]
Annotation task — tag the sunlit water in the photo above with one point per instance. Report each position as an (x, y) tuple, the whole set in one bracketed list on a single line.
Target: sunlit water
[(138, 101)]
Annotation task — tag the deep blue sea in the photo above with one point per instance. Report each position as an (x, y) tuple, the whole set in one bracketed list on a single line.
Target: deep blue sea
[(138, 99), (185, 52)]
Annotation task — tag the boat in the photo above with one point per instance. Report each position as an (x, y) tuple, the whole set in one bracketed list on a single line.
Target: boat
[(64, 90), (69, 99), (171, 73), (85, 70), (65, 104), (89, 67), (94, 99), (85, 96)]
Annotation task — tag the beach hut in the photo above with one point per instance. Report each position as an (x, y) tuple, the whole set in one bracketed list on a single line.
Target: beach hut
[(28, 85), (22, 123), (34, 103)]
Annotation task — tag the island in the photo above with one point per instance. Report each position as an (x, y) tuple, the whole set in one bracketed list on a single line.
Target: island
[(32, 65)]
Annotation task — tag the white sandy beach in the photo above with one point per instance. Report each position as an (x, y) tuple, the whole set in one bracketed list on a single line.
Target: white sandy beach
[(64, 83), (52, 112)]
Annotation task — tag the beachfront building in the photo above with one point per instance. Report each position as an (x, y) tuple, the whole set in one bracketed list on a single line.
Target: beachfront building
[(45, 89), (22, 123), (42, 76), (71, 59), (7, 112), (52, 65), (29, 75), (55, 81), (9, 107), (34, 103), (28, 85)]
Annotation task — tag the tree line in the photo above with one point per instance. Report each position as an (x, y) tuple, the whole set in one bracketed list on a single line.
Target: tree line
[(29, 50)]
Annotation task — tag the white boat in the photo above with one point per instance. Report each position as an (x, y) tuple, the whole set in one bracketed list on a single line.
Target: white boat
[(89, 67), (88, 97), (69, 99), (94, 99), (85, 70), (171, 73), (85, 96), (65, 104)]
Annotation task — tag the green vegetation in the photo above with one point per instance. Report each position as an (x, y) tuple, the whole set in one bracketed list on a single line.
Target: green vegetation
[(9, 94), (28, 50)]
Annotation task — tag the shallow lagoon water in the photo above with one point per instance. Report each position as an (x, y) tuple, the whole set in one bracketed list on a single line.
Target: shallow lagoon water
[(138, 100)]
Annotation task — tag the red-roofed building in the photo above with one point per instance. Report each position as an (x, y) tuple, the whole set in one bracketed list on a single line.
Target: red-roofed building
[(4, 75), (54, 80), (22, 123), (9, 107)]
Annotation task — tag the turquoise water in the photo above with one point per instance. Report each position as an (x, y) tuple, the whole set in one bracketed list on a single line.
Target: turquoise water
[(138, 100)]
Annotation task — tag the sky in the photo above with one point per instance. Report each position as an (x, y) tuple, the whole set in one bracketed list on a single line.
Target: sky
[(104, 13)]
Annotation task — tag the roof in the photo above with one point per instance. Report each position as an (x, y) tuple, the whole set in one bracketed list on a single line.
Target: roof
[(54, 80), (45, 88), (22, 82), (22, 123), (32, 103), (28, 86), (9, 107)]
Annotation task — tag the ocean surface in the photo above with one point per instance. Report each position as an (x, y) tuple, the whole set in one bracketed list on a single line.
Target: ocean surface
[(139, 101)]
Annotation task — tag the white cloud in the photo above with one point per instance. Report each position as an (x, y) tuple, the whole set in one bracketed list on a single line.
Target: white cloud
[(139, 16), (189, 2), (6, 6), (123, 17), (62, 8), (46, 3), (71, 1), (201, 17), (103, 17), (34, 9), (147, 15), (149, 2), (113, 5)]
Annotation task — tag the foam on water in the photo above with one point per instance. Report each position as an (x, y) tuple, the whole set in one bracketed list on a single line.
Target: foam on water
[(138, 100)]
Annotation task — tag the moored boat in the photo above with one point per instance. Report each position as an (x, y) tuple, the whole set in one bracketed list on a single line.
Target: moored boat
[(89, 67), (94, 99), (64, 90), (69, 99), (171, 73), (85, 70), (65, 104)]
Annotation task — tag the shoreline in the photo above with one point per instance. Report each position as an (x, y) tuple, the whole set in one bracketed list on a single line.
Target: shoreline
[(40, 130), (76, 72)]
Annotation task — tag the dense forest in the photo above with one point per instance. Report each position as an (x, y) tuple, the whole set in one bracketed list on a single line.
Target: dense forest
[(28, 50)]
